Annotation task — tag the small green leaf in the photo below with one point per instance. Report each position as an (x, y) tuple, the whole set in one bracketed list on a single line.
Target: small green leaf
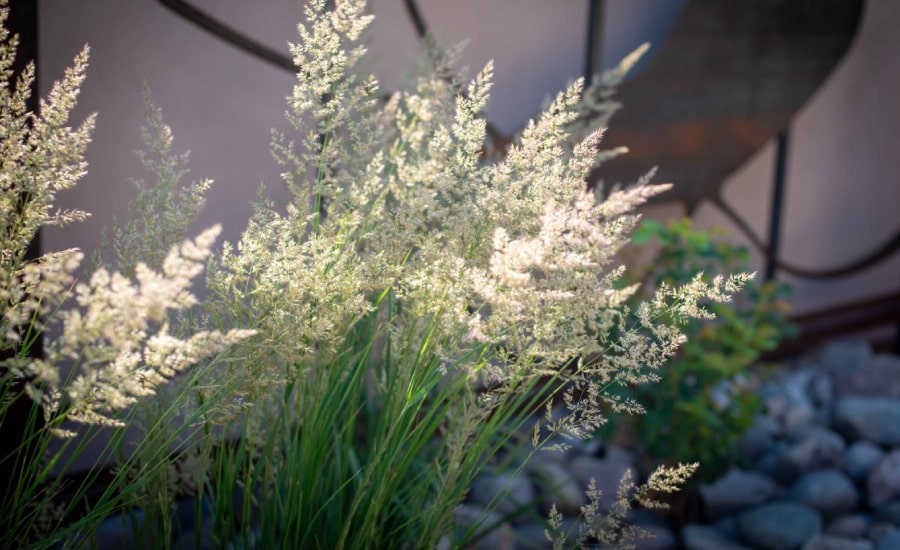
[(646, 231)]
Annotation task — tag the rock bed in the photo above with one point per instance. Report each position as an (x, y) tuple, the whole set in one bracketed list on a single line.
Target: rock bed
[(824, 470)]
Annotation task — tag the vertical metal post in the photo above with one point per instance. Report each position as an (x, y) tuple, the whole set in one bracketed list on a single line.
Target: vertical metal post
[(897, 338), (593, 59), (776, 213)]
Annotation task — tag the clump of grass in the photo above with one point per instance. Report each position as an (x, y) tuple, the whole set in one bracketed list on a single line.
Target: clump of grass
[(366, 348)]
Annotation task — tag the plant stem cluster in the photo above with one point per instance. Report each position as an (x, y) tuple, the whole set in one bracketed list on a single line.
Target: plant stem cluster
[(366, 348)]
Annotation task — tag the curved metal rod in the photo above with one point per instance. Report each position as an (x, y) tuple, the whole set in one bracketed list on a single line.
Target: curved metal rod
[(412, 9), (267, 54), (230, 35), (879, 254)]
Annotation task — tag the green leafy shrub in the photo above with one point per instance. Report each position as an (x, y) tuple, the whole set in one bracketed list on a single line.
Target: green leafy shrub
[(705, 399), (365, 350)]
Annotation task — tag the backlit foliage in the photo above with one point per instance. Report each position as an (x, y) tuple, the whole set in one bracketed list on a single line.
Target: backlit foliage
[(374, 338)]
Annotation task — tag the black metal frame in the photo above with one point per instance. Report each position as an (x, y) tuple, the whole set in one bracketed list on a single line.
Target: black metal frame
[(777, 212)]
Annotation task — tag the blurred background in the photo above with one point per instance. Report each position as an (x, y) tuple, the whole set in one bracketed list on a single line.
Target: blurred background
[(776, 119)]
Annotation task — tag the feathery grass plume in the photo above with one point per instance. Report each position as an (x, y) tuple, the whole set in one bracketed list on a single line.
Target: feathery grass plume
[(185, 384), (611, 527), (159, 217), (114, 338), (598, 105), (110, 334), (119, 335), (41, 156)]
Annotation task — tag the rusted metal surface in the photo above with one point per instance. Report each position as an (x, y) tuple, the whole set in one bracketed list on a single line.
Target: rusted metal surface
[(727, 79), (821, 326)]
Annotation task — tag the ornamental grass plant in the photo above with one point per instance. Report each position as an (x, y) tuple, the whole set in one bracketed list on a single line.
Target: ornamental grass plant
[(363, 351)]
